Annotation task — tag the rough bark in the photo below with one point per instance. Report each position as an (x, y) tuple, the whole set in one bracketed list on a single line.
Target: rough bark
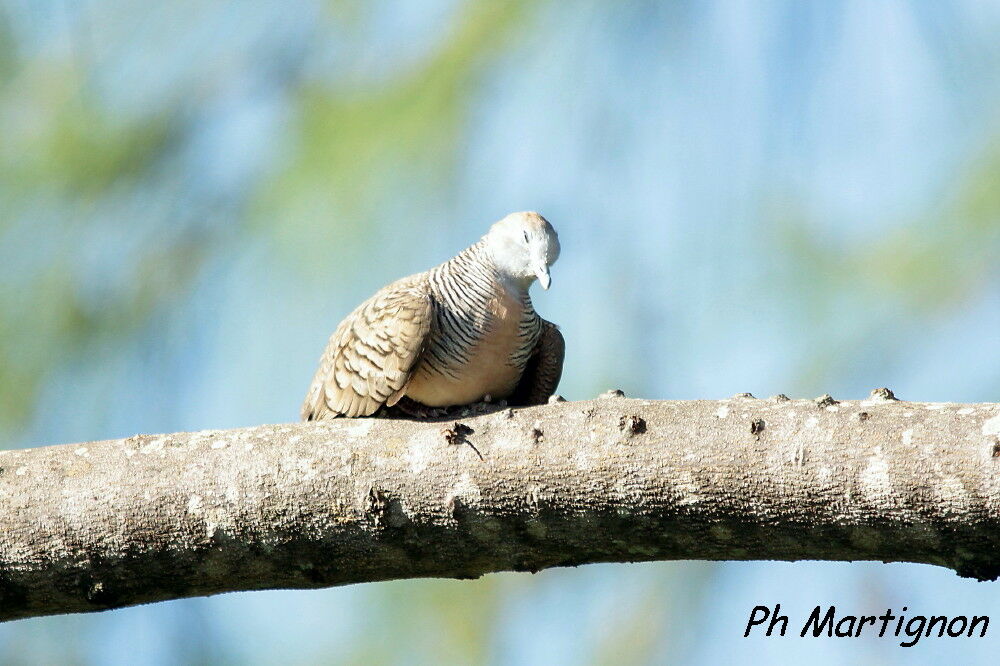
[(86, 527)]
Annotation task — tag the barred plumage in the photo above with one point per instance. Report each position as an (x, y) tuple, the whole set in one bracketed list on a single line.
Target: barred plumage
[(451, 335)]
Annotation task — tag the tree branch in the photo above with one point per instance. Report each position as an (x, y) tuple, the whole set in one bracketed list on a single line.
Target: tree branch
[(86, 527)]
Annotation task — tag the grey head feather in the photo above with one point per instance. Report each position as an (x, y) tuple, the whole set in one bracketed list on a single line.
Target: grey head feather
[(523, 247)]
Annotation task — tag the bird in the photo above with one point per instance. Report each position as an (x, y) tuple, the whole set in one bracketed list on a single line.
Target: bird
[(461, 333)]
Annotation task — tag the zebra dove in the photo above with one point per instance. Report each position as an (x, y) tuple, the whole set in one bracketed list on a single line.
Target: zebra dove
[(459, 333)]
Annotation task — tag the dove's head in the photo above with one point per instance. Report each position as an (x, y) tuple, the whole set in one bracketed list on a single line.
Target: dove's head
[(523, 246)]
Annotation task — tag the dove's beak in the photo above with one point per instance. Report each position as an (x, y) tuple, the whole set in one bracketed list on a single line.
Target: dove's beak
[(542, 273)]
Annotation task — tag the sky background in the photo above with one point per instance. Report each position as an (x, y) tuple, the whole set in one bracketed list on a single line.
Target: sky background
[(774, 197)]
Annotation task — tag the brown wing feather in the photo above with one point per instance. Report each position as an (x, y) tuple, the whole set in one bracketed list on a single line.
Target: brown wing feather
[(544, 369), (372, 353)]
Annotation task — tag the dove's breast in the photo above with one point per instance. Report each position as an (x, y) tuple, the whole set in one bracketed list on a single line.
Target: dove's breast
[(463, 367), (482, 337)]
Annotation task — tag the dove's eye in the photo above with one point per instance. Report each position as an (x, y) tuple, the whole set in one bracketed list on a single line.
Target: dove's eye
[(525, 236)]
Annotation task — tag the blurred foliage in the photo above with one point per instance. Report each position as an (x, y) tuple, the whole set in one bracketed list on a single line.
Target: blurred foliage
[(63, 157), (7, 53), (929, 264), (354, 144), (439, 622), (56, 135), (901, 273)]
